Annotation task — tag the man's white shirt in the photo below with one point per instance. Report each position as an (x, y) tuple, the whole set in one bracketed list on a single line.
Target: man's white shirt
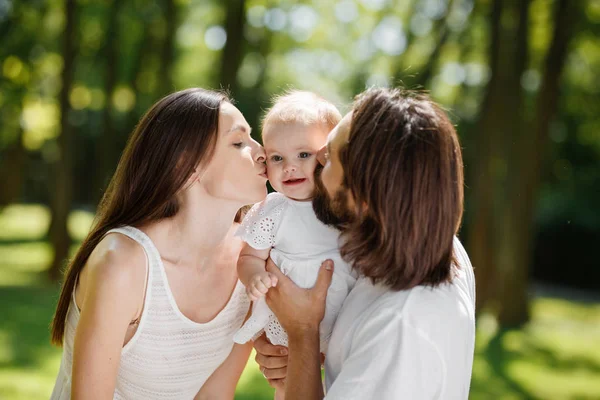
[(411, 344)]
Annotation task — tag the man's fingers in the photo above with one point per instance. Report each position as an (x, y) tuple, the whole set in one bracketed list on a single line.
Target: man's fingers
[(273, 270), (282, 280), (265, 348), (324, 278), (276, 373), (273, 279), (271, 361), (269, 280), (278, 384)]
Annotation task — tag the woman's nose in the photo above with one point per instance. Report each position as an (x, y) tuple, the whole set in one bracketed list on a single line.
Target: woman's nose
[(259, 154)]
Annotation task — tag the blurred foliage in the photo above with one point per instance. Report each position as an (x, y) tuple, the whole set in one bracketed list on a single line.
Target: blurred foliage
[(128, 53), (322, 46)]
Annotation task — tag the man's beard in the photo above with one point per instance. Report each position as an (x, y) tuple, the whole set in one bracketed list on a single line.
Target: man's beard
[(333, 212)]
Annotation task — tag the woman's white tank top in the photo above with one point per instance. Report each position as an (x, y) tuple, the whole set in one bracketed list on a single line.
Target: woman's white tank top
[(169, 356)]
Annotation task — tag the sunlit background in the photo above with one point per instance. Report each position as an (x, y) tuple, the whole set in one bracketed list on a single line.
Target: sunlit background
[(520, 79)]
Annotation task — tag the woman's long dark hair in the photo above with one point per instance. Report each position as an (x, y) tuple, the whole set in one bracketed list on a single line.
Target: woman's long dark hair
[(176, 135)]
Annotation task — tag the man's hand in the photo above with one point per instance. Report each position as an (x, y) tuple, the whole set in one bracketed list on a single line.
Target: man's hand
[(272, 361), (299, 309)]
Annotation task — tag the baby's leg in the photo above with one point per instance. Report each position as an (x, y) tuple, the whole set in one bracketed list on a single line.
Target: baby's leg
[(261, 313)]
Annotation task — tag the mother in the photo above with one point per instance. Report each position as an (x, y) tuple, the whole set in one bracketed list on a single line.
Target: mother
[(152, 298)]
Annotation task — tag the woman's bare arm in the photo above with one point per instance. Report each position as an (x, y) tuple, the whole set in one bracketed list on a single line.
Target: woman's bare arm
[(114, 285), (221, 384)]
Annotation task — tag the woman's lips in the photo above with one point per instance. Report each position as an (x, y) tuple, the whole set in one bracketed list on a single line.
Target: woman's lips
[(293, 182)]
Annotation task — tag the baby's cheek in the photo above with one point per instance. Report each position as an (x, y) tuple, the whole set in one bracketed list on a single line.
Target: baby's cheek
[(310, 165), (271, 173), (274, 176)]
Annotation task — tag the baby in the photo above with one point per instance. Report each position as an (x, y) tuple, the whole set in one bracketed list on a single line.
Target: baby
[(284, 226)]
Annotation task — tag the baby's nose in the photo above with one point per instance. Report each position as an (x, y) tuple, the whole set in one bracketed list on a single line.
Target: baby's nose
[(290, 167)]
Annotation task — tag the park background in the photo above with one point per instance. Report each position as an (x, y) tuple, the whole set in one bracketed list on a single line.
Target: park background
[(520, 79)]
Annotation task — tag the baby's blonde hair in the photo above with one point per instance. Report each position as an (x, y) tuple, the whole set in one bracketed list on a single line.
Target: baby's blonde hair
[(298, 106)]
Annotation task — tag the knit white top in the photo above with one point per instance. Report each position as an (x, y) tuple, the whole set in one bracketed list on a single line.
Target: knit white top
[(169, 356)]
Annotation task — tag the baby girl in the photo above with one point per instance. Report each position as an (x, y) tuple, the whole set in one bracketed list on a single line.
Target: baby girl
[(284, 226)]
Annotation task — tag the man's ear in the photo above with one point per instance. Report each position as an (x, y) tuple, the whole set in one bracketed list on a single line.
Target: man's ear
[(364, 207)]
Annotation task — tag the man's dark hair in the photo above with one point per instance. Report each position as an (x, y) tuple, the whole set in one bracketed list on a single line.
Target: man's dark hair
[(403, 166)]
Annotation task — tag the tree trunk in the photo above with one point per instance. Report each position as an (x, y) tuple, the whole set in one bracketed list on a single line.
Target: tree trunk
[(144, 47), (12, 171), (107, 148), (61, 196), (527, 175), (256, 96), (168, 49), (500, 124), (481, 224), (232, 55), (512, 287)]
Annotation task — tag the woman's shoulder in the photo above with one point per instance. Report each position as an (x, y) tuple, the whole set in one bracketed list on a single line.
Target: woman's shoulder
[(116, 265), (116, 251)]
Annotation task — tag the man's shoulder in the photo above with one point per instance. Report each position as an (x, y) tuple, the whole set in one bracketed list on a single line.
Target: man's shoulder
[(421, 306)]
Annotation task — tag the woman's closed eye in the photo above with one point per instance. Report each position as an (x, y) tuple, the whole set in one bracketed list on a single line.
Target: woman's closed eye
[(238, 145)]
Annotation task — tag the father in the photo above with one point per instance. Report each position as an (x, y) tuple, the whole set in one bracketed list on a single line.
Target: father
[(393, 179)]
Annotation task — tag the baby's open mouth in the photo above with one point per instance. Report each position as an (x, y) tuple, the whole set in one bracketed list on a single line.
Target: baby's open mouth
[(292, 182)]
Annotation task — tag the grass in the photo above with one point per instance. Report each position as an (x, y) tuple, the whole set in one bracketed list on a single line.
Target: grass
[(556, 356)]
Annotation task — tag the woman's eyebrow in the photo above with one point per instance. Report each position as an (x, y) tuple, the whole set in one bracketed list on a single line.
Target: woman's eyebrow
[(240, 127)]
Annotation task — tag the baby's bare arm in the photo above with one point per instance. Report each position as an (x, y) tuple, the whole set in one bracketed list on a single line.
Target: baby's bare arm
[(251, 262)]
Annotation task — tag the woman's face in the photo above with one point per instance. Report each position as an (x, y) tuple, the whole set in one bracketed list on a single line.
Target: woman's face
[(236, 171)]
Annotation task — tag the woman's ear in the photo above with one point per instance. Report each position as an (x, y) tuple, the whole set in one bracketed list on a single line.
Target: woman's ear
[(193, 178)]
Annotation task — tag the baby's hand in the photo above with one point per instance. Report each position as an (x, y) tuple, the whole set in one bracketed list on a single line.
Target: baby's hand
[(259, 285)]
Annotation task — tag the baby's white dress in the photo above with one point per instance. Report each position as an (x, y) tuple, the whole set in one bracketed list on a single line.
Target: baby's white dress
[(299, 243)]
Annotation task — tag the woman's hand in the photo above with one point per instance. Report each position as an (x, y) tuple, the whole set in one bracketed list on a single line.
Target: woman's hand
[(272, 361), (299, 309)]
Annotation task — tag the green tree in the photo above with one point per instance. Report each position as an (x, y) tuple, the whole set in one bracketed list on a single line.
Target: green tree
[(61, 196)]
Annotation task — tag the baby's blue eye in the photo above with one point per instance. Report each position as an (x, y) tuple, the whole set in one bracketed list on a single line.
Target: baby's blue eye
[(276, 158), (304, 155)]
